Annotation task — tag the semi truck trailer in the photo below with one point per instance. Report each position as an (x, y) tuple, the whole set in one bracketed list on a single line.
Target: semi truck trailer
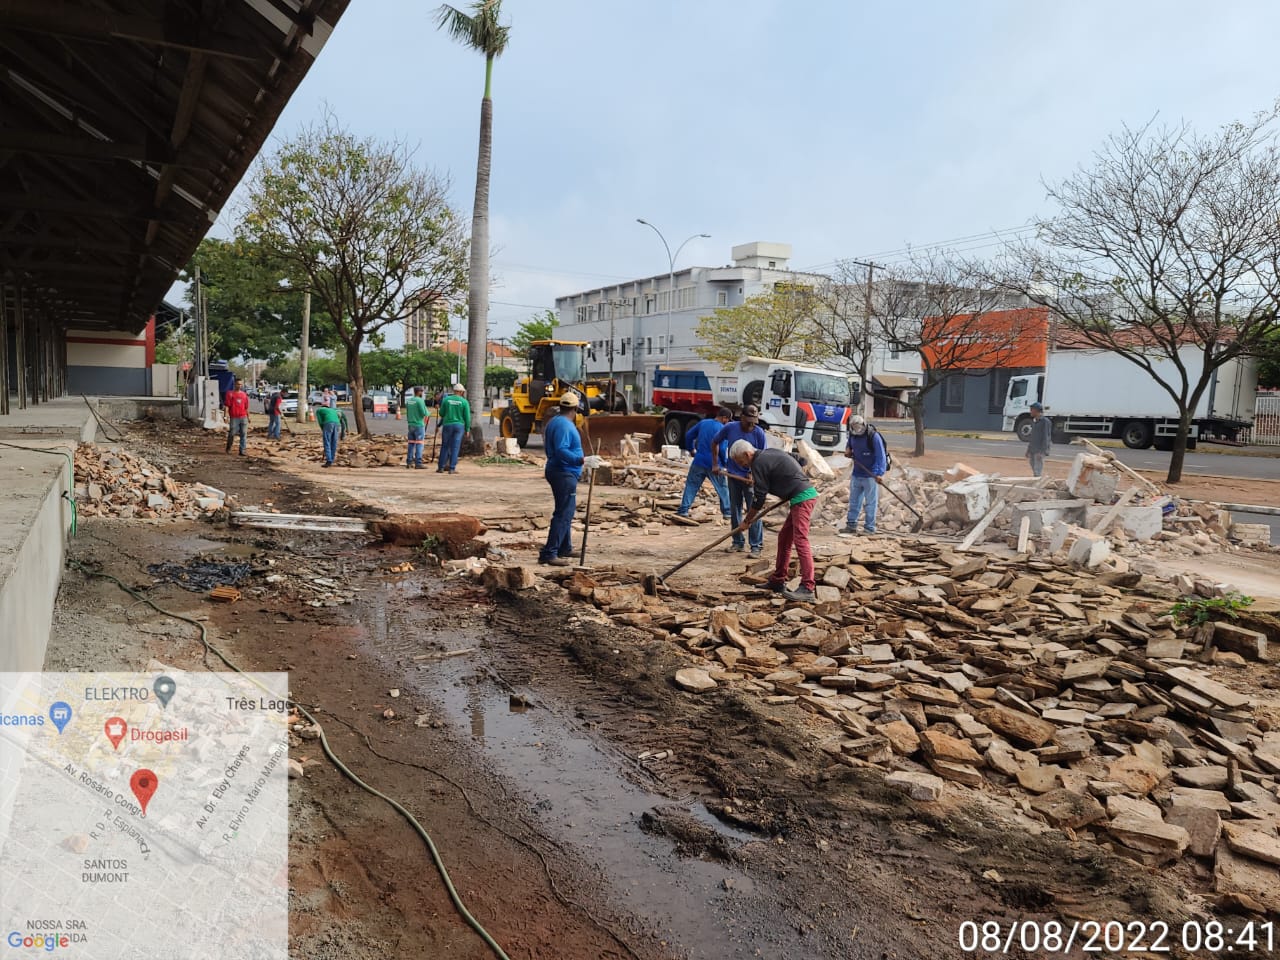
[(1100, 394)]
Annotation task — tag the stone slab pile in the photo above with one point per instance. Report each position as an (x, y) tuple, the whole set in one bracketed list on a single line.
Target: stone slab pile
[(1069, 693)]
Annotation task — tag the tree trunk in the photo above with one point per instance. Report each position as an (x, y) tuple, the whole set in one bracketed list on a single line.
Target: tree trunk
[(355, 371), (478, 299), (917, 418), (1179, 453)]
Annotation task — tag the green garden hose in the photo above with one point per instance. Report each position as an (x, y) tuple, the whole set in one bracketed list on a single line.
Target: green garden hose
[(328, 752), (70, 495)]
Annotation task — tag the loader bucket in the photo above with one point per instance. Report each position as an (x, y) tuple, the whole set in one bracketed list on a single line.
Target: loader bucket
[(608, 429)]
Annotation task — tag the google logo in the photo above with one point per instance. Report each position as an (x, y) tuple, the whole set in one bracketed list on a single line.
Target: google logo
[(47, 942)]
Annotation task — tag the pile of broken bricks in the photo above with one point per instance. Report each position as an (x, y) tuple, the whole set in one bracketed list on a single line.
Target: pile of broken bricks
[(112, 483), (1062, 690)]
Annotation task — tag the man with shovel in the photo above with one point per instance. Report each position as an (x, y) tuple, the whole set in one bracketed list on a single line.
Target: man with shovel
[(866, 449), (565, 461), (777, 472)]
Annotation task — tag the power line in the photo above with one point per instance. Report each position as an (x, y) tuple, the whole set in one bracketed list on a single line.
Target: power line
[(960, 244)]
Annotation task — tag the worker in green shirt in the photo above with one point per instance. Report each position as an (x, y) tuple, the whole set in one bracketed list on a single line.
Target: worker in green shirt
[(415, 411), (331, 423), (455, 418)]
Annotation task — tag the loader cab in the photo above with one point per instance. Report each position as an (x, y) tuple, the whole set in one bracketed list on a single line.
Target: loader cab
[(552, 360)]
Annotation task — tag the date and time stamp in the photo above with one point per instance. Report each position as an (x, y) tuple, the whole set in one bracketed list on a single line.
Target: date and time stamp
[(1108, 938)]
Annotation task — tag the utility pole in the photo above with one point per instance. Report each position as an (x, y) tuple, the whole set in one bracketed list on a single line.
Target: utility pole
[(671, 274), (301, 415), (613, 306)]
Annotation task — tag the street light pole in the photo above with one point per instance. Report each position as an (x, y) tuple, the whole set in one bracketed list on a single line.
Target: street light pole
[(671, 272)]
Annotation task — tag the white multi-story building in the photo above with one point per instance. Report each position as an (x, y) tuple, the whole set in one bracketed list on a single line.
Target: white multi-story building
[(647, 326)]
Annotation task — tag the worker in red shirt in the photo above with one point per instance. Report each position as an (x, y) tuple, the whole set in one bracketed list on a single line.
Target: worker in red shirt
[(237, 407)]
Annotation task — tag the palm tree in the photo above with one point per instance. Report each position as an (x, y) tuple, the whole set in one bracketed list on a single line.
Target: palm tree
[(481, 31)]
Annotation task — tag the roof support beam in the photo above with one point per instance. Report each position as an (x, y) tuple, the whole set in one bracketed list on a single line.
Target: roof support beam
[(66, 19)]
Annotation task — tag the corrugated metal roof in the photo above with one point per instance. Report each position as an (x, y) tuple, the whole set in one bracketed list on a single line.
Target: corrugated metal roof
[(124, 127)]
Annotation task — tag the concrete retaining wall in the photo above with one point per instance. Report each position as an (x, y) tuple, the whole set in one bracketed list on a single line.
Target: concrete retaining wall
[(34, 519)]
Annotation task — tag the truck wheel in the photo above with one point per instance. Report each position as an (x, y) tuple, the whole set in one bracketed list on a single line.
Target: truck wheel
[(1136, 434), (1023, 428), (673, 431)]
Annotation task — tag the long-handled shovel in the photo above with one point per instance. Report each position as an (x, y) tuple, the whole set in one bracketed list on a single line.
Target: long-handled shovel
[(586, 520), (713, 544), (432, 458), (915, 527)]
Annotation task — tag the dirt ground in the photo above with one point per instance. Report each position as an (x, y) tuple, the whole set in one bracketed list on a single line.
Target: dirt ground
[(514, 740)]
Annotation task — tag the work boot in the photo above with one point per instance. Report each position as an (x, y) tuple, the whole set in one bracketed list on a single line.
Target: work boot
[(755, 553), (774, 586), (849, 529), (557, 562), (737, 547), (801, 593)]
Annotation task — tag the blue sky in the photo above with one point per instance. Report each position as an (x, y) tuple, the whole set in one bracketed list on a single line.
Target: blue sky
[(847, 129)]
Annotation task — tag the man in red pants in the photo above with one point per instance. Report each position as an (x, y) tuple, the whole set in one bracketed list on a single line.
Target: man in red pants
[(777, 472)]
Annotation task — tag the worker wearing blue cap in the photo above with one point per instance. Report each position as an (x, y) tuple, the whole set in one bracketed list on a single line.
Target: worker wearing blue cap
[(1040, 439)]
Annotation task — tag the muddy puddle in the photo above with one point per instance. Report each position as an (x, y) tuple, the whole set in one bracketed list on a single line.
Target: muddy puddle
[(576, 789)]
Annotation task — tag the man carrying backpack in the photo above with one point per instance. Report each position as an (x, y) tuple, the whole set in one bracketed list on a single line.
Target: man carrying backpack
[(870, 461)]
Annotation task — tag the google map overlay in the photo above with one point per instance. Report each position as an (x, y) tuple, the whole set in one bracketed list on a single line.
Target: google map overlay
[(144, 814)]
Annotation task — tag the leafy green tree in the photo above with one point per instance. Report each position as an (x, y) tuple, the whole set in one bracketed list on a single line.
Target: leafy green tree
[(781, 323), (541, 326), (408, 368), (253, 310), (481, 31), (322, 370), (361, 227), (282, 371), (499, 378)]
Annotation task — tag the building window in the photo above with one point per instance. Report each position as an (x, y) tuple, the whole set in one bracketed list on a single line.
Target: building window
[(686, 297), (895, 350), (649, 304), (722, 298), (773, 263), (581, 314), (648, 345), (953, 393), (662, 345), (998, 381)]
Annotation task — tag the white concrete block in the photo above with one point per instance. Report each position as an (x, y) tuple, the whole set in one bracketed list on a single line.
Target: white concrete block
[(968, 500), (671, 452), (508, 447), (1045, 513), (1092, 478), (1088, 548), (1141, 522)]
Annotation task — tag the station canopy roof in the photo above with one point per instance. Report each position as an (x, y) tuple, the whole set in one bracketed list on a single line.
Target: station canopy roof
[(124, 127)]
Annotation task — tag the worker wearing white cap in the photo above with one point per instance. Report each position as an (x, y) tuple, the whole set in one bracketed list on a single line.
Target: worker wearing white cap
[(453, 421), (565, 461)]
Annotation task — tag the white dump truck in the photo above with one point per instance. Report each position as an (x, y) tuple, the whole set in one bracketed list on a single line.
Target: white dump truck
[(1100, 394)]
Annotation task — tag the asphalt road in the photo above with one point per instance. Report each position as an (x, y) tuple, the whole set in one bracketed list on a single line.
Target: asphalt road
[(1224, 464)]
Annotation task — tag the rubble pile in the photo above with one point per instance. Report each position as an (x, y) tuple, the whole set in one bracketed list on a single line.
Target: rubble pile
[(1079, 700), (1098, 516), (112, 483)]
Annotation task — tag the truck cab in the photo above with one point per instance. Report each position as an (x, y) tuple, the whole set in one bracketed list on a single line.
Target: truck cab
[(795, 399), (800, 401)]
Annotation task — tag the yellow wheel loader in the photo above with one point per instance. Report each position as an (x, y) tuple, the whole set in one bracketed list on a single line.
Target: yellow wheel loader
[(559, 365)]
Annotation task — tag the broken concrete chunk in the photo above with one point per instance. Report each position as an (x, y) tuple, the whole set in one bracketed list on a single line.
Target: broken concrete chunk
[(694, 680), (940, 746), (1149, 836), (1017, 725), (1203, 825), (1066, 809), (919, 786), (1136, 774), (901, 736), (1235, 874), (1118, 806), (1250, 644), (1252, 843)]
